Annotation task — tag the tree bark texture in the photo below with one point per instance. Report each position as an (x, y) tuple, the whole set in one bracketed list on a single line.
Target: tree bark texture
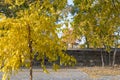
[(30, 51), (102, 59), (114, 57)]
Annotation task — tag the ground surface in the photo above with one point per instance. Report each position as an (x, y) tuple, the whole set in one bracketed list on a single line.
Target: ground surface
[(62, 74), (97, 72)]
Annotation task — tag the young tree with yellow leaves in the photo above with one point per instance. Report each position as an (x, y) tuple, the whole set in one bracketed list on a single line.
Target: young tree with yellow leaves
[(31, 30), (68, 37), (97, 21)]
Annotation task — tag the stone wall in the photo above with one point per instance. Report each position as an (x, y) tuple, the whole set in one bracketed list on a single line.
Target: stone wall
[(92, 57), (89, 57)]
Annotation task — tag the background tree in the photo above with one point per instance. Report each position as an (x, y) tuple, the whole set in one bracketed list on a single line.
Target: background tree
[(97, 21), (68, 38), (31, 30)]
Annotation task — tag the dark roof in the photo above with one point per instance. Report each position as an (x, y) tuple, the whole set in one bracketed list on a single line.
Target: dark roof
[(92, 49)]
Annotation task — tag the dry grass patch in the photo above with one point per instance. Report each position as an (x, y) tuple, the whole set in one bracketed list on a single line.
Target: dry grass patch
[(96, 72)]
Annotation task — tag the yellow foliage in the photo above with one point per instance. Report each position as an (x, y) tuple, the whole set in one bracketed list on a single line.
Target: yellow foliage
[(36, 24), (97, 21)]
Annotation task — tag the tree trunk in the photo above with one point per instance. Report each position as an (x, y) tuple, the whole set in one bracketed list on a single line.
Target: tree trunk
[(31, 76), (105, 58), (72, 45), (102, 59), (114, 57), (30, 51), (87, 43), (109, 59)]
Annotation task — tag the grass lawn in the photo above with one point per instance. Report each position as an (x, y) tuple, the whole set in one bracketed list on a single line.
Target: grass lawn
[(96, 72)]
